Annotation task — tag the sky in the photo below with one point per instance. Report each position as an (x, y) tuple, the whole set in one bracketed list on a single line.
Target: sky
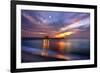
[(51, 23)]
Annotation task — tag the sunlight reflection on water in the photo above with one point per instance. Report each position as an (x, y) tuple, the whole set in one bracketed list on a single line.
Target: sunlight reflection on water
[(63, 49)]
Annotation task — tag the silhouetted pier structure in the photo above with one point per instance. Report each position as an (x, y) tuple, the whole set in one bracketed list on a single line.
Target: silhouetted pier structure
[(35, 38)]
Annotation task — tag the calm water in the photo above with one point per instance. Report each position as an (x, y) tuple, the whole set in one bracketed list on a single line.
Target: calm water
[(75, 49)]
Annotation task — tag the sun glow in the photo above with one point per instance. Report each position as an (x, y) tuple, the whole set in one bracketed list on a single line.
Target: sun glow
[(63, 34)]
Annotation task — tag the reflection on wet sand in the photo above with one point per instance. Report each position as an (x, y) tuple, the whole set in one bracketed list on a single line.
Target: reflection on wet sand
[(61, 47), (45, 47), (61, 56)]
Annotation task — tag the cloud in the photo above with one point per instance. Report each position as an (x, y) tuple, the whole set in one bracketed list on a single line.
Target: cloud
[(77, 24), (37, 28)]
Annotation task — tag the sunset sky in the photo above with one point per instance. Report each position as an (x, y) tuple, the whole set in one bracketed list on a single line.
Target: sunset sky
[(49, 23)]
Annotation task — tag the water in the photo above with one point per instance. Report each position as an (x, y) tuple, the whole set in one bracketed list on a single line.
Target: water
[(71, 49)]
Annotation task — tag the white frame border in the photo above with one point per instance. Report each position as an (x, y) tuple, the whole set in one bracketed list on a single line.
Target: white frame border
[(51, 64)]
